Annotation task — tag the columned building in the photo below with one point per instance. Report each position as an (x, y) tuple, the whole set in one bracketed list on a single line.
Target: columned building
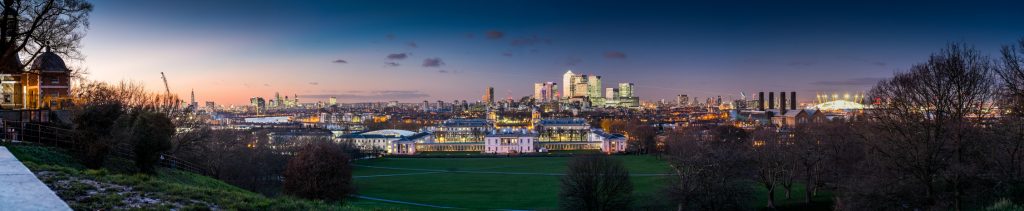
[(510, 143)]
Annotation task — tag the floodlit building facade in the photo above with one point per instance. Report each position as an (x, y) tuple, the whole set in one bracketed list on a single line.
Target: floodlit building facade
[(510, 143)]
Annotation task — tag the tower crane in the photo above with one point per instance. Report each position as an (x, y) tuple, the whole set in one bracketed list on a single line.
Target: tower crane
[(168, 89)]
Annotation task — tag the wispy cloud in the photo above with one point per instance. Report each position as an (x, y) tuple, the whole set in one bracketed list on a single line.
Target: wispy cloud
[(494, 34), (506, 53), (850, 82), (340, 61), (615, 55), (529, 41), (412, 45), (433, 62), (398, 56), (390, 36), (392, 64), (314, 83)]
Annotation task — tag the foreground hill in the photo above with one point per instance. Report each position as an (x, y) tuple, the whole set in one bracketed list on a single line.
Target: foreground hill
[(111, 189)]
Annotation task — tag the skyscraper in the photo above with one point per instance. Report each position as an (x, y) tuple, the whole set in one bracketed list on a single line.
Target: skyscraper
[(489, 95), (567, 84), (546, 91), (594, 90), (682, 100)]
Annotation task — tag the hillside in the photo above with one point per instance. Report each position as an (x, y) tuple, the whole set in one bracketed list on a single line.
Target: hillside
[(110, 188)]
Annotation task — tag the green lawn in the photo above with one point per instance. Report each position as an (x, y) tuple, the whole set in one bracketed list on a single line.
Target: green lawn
[(480, 183)]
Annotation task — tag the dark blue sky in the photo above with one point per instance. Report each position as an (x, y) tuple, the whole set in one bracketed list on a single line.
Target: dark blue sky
[(229, 51)]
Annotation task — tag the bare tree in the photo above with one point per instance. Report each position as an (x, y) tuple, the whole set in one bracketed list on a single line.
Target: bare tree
[(920, 148), (712, 167), (772, 166), (596, 182), (32, 26)]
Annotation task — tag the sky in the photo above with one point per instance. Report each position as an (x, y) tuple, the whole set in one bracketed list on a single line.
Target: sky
[(359, 51)]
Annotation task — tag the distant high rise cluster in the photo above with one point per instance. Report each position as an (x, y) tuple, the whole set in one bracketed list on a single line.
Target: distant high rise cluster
[(587, 89)]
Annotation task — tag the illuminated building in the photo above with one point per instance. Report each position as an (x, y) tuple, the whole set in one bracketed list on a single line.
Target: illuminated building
[(47, 84), (836, 102), (510, 142), (682, 100), (388, 141), (545, 92), (489, 96), (568, 90), (610, 143)]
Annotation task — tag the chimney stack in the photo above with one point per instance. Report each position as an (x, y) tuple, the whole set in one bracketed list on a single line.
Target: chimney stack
[(792, 100), (771, 100), (782, 103), (760, 101)]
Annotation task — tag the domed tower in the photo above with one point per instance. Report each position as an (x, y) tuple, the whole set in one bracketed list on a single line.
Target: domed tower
[(47, 83)]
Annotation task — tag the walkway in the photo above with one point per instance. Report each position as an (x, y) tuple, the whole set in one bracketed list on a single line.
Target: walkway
[(21, 190)]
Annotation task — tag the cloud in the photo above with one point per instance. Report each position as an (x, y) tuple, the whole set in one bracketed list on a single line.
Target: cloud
[(398, 56), (850, 82), (493, 34), (412, 45), (314, 83), (340, 61), (615, 55), (392, 64), (371, 95), (529, 41), (506, 53), (433, 62), (880, 64), (390, 36), (799, 63), (266, 84)]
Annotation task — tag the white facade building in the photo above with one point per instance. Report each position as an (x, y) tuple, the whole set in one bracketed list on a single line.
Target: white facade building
[(510, 143)]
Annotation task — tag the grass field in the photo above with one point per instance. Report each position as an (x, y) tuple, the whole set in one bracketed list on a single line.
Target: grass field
[(490, 183), (529, 183)]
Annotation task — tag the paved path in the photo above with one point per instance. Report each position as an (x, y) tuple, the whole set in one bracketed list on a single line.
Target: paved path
[(21, 190), (402, 202)]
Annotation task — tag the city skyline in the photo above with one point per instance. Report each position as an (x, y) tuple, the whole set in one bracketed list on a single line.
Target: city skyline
[(228, 51)]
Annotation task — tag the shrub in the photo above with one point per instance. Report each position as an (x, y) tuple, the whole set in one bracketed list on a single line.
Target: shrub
[(596, 182), (320, 170), (93, 128), (149, 134)]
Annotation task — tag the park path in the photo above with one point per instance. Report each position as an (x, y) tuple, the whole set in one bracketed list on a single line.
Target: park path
[(20, 189)]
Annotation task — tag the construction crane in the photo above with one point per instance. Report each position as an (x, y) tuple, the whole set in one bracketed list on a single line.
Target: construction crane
[(168, 89)]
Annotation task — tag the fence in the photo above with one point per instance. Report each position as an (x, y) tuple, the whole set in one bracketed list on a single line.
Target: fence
[(46, 135)]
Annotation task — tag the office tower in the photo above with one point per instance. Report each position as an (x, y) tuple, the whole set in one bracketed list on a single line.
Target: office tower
[(626, 90), (546, 91), (567, 84), (333, 100), (489, 95), (611, 93), (682, 100)]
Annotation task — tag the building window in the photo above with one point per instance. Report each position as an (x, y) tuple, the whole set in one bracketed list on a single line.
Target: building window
[(54, 81)]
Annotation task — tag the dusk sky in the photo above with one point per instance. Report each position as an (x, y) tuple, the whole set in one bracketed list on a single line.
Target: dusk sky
[(410, 51)]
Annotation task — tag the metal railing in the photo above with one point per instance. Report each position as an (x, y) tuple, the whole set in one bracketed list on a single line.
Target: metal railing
[(46, 135)]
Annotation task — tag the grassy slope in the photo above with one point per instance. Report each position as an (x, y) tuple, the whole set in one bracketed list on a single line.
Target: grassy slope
[(170, 186)]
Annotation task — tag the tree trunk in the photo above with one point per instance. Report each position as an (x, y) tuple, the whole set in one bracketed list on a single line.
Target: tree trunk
[(789, 191), (771, 198), (808, 189)]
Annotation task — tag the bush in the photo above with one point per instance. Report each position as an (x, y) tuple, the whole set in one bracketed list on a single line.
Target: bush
[(93, 127), (320, 170), (596, 182), (149, 134)]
